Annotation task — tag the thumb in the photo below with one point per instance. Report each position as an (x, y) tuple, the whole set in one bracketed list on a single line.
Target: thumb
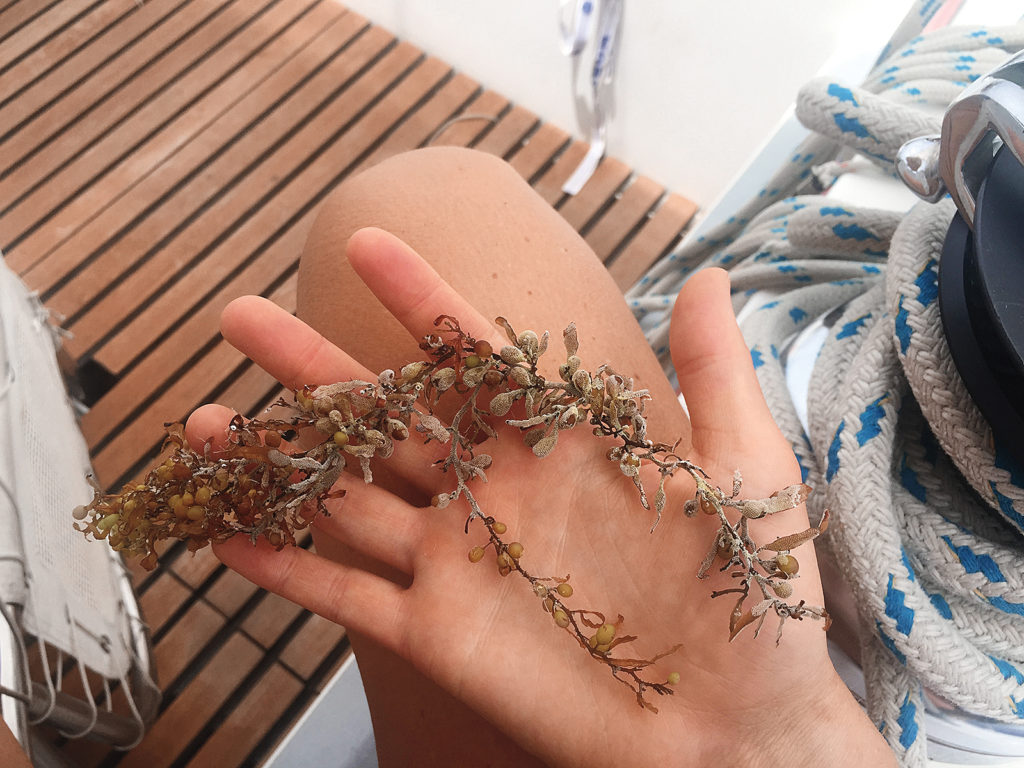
[(715, 371)]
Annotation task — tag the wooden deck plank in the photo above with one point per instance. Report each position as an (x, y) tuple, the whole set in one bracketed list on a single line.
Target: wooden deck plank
[(609, 175), (153, 286), (175, 402), (159, 602), (538, 150), (202, 323), (420, 125), (549, 185), (177, 649), (104, 58), (102, 100), (160, 128), (313, 178), (204, 172), (37, 30), (47, 56), (662, 230), (308, 648), (509, 132), (197, 703), (198, 327), (631, 207), (464, 132), (97, 218), (18, 14), (232, 741), (264, 624), (194, 568), (225, 591), (231, 593)]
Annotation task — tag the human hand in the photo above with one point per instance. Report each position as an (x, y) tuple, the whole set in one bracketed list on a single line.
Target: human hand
[(485, 639)]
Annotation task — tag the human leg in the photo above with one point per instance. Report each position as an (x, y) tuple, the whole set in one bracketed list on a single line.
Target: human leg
[(503, 248)]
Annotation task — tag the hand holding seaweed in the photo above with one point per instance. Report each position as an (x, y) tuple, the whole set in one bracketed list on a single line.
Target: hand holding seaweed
[(548, 476)]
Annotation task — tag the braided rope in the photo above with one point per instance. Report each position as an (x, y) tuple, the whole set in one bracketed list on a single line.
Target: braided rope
[(873, 125), (959, 426), (927, 512)]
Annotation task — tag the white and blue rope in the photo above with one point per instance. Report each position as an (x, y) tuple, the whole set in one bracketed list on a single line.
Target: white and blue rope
[(928, 513)]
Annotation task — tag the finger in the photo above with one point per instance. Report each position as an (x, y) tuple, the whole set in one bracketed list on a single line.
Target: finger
[(208, 424), (375, 522), (410, 288), (716, 374), (359, 600), (296, 355), (413, 291), (368, 519), (284, 346)]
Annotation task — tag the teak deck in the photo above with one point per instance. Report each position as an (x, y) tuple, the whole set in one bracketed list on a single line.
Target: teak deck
[(158, 159)]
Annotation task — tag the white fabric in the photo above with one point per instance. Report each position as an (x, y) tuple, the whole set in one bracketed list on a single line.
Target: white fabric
[(66, 583)]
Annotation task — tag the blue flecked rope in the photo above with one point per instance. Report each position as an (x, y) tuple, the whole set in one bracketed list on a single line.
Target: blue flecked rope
[(928, 514)]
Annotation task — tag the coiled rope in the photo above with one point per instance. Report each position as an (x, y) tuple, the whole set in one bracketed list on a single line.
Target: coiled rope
[(928, 513)]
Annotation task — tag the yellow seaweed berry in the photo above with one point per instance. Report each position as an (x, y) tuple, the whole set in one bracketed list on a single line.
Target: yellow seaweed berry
[(340, 438), (472, 361), (505, 564), (108, 522), (605, 633), (515, 550), (564, 589), (706, 505), (561, 618), (476, 554), (673, 678), (499, 528), (177, 505), (787, 564)]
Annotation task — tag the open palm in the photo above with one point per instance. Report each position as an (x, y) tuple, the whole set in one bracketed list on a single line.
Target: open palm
[(484, 638)]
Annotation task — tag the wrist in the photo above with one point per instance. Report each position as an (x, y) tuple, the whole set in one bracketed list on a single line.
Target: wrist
[(832, 730), (824, 725)]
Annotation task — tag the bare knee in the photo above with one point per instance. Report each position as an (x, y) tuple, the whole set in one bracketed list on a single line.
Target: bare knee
[(414, 194), (455, 207), (458, 208)]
